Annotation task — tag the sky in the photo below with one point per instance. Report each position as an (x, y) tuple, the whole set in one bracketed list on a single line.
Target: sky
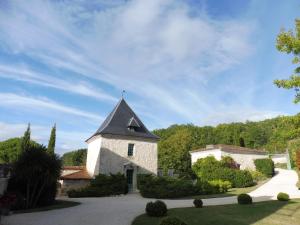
[(179, 61)]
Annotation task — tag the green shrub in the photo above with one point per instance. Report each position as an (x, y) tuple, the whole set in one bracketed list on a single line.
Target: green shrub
[(210, 169), (242, 179), (34, 177), (244, 199), (165, 187), (265, 166), (198, 203), (283, 196), (171, 221), (257, 176), (220, 185), (156, 209), (102, 185)]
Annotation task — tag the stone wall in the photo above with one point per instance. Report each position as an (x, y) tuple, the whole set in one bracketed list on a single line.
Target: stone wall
[(114, 152)]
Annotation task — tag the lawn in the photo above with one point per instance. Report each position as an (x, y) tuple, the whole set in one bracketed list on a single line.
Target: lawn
[(230, 192), (262, 213), (59, 204)]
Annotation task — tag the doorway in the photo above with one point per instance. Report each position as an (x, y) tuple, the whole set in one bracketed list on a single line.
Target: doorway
[(129, 176)]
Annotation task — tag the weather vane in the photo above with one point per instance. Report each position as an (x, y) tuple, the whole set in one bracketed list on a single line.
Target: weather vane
[(123, 92)]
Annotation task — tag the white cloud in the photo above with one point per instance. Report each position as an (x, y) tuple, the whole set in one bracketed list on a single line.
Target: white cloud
[(82, 88), (34, 104), (143, 46), (160, 51)]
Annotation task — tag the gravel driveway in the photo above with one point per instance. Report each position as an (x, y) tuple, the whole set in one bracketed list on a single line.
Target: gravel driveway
[(123, 209)]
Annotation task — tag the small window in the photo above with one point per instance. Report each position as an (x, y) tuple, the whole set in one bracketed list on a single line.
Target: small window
[(130, 149)]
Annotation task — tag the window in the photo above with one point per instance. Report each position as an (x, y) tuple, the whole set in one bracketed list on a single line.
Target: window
[(130, 149)]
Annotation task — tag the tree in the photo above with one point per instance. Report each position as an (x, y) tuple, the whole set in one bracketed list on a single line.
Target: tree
[(33, 173), (289, 42), (174, 152), (10, 149), (75, 158), (51, 143), (25, 142)]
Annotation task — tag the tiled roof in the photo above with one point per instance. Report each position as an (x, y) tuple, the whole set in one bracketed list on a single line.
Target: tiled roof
[(119, 121), (231, 149), (75, 173)]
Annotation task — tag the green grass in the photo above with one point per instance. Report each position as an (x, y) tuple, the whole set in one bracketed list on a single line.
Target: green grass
[(263, 213), (59, 204), (231, 192)]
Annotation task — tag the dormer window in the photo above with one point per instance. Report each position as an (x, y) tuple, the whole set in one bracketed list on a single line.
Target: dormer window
[(133, 124)]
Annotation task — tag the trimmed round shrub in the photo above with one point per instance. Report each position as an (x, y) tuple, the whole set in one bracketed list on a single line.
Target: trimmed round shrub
[(244, 199), (156, 209), (283, 196), (171, 221), (198, 203)]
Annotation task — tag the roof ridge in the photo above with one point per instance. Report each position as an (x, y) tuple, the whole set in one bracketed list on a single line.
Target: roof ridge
[(112, 114)]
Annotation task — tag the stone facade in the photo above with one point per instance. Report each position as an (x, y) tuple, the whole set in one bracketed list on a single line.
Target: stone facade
[(108, 154)]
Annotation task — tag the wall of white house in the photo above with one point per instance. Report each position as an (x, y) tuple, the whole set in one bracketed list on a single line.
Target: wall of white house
[(202, 154), (246, 161), (93, 156)]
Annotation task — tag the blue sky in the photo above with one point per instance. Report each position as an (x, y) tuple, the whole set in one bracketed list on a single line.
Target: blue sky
[(201, 62)]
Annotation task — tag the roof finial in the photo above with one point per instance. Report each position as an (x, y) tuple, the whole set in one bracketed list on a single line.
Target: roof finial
[(123, 92)]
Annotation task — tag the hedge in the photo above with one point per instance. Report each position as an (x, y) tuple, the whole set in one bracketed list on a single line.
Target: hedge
[(265, 166), (102, 185), (167, 187)]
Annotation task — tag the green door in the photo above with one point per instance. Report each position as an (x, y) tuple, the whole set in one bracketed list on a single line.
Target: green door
[(129, 175)]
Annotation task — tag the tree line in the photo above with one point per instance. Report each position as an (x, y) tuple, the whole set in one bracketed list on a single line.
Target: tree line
[(271, 135)]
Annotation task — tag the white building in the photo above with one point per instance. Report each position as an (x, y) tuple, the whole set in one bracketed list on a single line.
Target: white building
[(243, 156), (122, 144)]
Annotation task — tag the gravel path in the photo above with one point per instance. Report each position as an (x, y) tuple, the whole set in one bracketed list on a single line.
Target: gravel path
[(123, 209)]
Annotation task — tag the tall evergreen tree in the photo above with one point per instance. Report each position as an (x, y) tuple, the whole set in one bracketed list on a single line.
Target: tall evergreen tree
[(51, 143), (25, 142)]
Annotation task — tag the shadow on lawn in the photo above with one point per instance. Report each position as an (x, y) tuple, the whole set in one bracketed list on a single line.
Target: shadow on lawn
[(270, 212)]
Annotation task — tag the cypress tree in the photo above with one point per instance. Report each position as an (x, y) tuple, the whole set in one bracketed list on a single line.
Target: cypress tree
[(51, 143), (25, 142)]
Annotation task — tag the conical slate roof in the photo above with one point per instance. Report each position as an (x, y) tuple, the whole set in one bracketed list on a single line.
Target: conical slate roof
[(123, 121)]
